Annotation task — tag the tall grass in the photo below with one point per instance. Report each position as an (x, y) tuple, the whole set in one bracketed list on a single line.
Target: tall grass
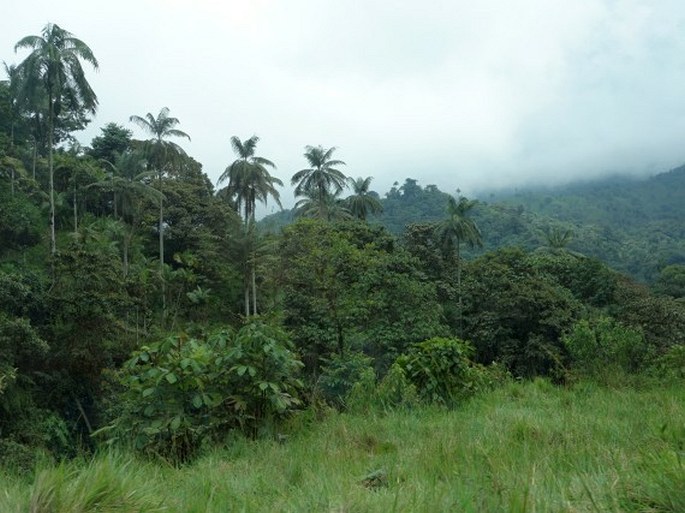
[(524, 448), (107, 484)]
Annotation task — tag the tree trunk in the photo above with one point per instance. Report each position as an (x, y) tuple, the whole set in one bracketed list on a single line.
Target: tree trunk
[(461, 314), (35, 156), (127, 242), (75, 212), (12, 153), (254, 290), (247, 300), (161, 242), (83, 414), (53, 241), (161, 225)]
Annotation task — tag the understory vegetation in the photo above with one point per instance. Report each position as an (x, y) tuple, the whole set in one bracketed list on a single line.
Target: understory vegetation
[(524, 447), (162, 350)]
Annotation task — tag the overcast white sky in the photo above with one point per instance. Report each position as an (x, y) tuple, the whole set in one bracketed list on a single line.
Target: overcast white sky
[(468, 94)]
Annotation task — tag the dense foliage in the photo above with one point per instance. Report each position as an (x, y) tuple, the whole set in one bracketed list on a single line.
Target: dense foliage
[(138, 302), (184, 391)]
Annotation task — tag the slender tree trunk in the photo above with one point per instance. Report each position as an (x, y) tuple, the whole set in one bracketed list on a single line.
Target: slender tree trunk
[(35, 157), (75, 212), (127, 242), (461, 314), (12, 153), (254, 289), (161, 225), (247, 300), (83, 414), (53, 241), (161, 242)]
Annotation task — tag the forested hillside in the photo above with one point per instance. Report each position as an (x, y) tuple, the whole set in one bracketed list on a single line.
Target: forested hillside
[(142, 307), (635, 226)]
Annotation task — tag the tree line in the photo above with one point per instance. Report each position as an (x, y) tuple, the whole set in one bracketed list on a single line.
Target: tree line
[(140, 304)]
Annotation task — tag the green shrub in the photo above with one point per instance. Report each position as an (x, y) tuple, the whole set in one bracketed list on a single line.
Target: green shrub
[(362, 396), (670, 365), (15, 457), (441, 370), (340, 374), (182, 391), (601, 346), (396, 391)]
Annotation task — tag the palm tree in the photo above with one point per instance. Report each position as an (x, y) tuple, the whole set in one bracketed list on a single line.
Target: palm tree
[(322, 179), (251, 248), (12, 167), (362, 203), (160, 153), (130, 183), (54, 66), (454, 230), (249, 180), (13, 86), (557, 238), (328, 208)]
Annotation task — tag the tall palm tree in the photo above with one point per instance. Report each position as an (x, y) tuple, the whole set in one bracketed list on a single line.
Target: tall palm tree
[(557, 238), (54, 66), (161, 153), (130, 183), (322, 179), (248, 178), (12, 168), (362, 203), (249, 181), (252, 248), (14, 84), (456, 229), (328, 208)]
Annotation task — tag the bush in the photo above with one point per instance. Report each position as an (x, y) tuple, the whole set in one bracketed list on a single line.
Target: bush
[(15, 457), (441, 370), (183, 391), (601, 346), (349, 382), (339, 375), (396, 391), (670, 365)]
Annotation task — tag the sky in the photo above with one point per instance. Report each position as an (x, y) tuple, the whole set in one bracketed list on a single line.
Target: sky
[(469, 95)]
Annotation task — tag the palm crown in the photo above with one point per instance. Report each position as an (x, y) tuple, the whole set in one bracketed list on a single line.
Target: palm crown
[(458, 227), (55, 65), (322, 176), (362, 203), (248, 178), (53, 71), (161, 127)]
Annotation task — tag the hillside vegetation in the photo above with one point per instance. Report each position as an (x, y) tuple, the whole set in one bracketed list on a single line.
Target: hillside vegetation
[(525, 447), (457, 353), (634, 225)]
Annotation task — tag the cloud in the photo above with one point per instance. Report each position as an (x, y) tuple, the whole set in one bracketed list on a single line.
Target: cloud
[(456, 93)]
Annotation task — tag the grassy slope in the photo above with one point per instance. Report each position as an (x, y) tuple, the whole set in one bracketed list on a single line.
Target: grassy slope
[(527, 447)]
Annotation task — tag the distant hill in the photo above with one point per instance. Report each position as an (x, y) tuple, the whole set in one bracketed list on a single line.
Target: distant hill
[(635, 226)]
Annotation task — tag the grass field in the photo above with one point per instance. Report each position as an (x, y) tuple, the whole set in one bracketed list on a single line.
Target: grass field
[(526, 447)]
